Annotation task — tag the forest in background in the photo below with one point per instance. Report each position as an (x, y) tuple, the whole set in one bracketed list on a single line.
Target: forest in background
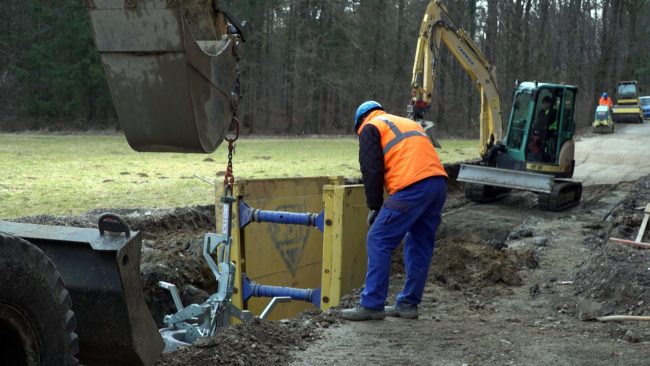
[(307, 64)]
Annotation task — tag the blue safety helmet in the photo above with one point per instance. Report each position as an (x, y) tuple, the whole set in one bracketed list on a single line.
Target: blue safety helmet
[(364, 108), (604, 95)]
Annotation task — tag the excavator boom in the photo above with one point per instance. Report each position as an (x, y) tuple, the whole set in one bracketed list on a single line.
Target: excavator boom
[(437, 28)]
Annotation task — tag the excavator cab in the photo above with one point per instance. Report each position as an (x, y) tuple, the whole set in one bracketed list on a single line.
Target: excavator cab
[(540, 130), (537, 152)]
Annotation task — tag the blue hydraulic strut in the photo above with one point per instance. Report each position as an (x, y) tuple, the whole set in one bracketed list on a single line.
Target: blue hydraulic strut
[(248, 215), (252, 289)]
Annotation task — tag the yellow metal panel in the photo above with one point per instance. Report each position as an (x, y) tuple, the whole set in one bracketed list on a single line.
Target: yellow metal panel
[(236, 256), (547, 168), (626, 110), (274, 254), (344, 242), (331, 237)]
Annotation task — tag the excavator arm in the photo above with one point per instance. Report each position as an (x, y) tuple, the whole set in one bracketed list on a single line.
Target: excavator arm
[(436, 29)]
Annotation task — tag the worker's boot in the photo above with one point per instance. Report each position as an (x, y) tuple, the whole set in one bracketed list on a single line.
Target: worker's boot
[(362, 313), (407, 311)]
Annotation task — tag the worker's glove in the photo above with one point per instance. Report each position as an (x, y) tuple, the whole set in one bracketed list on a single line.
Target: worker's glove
[(372, 215)]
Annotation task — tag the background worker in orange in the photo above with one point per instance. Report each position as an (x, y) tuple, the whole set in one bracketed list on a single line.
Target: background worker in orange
[(606, 100), (395, 153)]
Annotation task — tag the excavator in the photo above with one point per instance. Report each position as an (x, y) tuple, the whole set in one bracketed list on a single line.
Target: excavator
[(536, 153), (73, 295)]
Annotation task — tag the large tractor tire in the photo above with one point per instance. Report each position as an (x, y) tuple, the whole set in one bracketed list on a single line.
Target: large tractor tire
[(37, 325)]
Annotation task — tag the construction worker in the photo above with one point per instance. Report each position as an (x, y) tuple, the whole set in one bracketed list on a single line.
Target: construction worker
[(606, 100), (545, 126), (395, 153)]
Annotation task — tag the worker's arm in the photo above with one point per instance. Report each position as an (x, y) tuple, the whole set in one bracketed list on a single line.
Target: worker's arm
[(371, 160)]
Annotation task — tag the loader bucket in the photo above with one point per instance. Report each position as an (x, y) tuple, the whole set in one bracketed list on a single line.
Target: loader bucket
[(102, 275), (171, 68)]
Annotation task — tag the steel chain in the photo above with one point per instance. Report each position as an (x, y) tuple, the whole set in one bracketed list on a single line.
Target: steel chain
[(229, 178)]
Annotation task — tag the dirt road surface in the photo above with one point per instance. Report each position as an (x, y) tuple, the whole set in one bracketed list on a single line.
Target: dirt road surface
[(613, 158)]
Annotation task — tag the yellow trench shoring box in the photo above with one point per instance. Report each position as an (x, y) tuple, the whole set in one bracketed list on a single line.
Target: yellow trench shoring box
[(299, 256)]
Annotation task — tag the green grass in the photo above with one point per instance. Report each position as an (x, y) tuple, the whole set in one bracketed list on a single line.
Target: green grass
[(62, 175)]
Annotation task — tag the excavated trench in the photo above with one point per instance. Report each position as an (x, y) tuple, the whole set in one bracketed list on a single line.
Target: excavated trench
[(483, 252)]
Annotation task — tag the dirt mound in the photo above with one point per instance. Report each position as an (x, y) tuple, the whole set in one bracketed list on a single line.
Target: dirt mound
[(156, 224), (617, 275), (460, 263), (259, 343)]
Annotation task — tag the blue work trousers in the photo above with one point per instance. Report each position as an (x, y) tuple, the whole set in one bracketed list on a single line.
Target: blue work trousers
[(412, 214)]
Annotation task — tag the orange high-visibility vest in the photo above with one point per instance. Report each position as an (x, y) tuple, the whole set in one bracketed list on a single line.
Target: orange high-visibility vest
[(607, 102), (409, 155)]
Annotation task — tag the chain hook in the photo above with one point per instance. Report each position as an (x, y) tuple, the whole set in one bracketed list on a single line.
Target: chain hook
[(235, 123), (229, 178)]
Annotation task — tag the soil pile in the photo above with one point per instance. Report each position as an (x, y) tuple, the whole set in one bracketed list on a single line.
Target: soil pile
[(259, 343), (473, 254), (617, 275), (461, 263), (156, 224)]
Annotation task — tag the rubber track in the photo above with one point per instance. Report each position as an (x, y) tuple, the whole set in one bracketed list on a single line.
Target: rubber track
[(563, 196), (484, 193)]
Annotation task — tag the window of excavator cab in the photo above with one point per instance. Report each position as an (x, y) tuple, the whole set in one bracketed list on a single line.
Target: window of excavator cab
[(567, 113), (626, 91), (519, 118), (543, 133), (541, 95)]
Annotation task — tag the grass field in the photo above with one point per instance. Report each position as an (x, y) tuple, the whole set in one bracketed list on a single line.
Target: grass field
[(69, 174)]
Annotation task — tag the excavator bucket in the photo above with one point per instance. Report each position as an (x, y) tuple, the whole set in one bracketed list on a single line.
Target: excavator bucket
[(171, 68), (101, 271)]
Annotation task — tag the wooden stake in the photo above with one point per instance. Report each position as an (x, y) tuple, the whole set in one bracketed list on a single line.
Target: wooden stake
[(618, 318)]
